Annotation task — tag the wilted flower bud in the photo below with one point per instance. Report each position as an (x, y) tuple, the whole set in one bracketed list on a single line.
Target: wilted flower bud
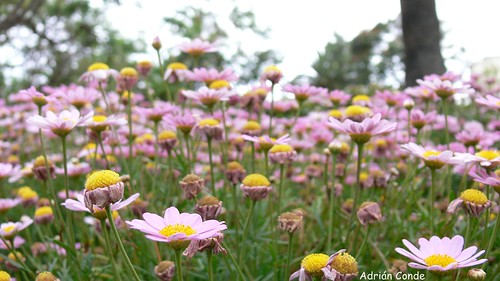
[(209, 207), (167, 140), (347, 205), (369, 212), (191, 185), (210, 128), (127, 79), (43, 215), (256, 186), (476, 274), (289, 221), (103, 188), (281, 153), (40, 171), (144, 67), (251, 128), (165, 270), (235, 172)]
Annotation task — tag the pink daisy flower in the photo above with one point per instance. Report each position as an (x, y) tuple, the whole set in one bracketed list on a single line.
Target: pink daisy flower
[(303, 92), (490, 101), (78, 96), (60, 124), (177, 229), (9, 230), (18, 242), (444, 88), (485, 158), (266, 141), (8, 203), (361, 132), (432, 158), (209, 97), (339, 97), (197, 47), (78, 205), (492, 179), (7, 170), (441, 254), (209, 75)]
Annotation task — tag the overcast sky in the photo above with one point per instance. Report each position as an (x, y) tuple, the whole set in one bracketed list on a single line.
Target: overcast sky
[(301, 29)]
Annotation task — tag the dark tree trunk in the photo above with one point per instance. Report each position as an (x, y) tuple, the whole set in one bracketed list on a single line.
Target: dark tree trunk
[(421, 37)]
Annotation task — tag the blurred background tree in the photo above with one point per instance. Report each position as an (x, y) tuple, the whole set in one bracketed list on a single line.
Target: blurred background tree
[(53, 41)]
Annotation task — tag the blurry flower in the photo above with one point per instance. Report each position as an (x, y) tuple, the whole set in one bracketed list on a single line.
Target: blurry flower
[(444, 88), (441, 254), (361, 100), (338, 97), (210, 128), (127, 78), (39, 99), (476, 274), (303, 92), (271, 73), (46, 276), (209, 97), (209, 75), (103, 188), (4, 276), (144, 67), (234, 172), (191, 185), (167, 140), (197, 47), (362, 132), (43, 215), (6, 204), (165, 270), (369, 212), (357, 113), (177, 230), (490, 101), (256, 186), (492, 178), (61, 124), (251, 128), (99, 123), (39, 168), (418, 119), (213, 244), (98, 72), (290, 221), (156, 43), (474, 201), (28, 196), (18, 242), (432, 158), (176, 71), (281, 153), (10, 171), (266, 142), (486, 158), (9, 230)]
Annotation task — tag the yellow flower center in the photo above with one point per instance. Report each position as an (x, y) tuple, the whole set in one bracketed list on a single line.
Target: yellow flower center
[(431, 153), (99, 118), (102, 179), (313, 264), (4, 276), (172, 229), (219, 84), (14, 256), (167, 135), (234, 166), (360, 98), (345, 264), (177, 66), (8, 229), (98, 66), (128, 71), (145, 63), (256, 180), (272, 68), (252, 126), (26, 193), (381, 142), (209, 122), (488, 154), (363, 176), (357, 110), (40, 162), (337, 114), (145, 138), (43, 211), (281, 148), (46, 276), (474, 196), (438, 259)]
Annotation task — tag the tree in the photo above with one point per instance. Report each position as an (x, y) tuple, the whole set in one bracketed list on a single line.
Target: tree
[(421, 37)]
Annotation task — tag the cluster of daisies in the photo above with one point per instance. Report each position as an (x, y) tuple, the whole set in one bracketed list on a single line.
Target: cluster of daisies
[(265, 163)]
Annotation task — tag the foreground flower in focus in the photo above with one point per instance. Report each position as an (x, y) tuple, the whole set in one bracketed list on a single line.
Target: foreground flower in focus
[(103, 188), (176, 229), (361, 132), (432, 158), (60, 124), (474, 201), (441, 254)]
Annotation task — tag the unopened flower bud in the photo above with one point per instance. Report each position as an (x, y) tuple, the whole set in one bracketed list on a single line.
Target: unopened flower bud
[(165, 270), (156, 43), (476, 274), (235, 172), (103, 188), (369, 212), (335, 146), (191, 185), (44, 215), (40, 171), (289, 221), (408, 104)]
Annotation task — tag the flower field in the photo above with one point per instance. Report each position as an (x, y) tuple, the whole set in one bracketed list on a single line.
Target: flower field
[(106, 178)]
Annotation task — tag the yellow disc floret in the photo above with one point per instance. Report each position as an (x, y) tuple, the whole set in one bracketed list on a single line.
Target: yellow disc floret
[(219, 84), (4, 276), (102, 179), (99, 118), (357, 110), (431, 153), (337, 114), (177, 66), (345, 264), (313, 264), (167, 135), (172, 229), (272, 68), (488, 154), (438, 259), (43, 211), (256, 180), (281, 148), (252, 126), (128, 71), (40, 161), (474, 196), (360, 98), (98, 66), (26, 193), (209, 122)]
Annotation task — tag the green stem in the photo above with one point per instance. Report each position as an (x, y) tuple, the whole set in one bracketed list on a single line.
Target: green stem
[(245, 231), (367, 234), (271, 112), (210, 265), (447, 134), (289, 254), (10, 246), (487, 218), (109, 249), (253, 157), (280, 188), (432, 195), (493, 237), (101, 89), (409, 125), (129, 117), (178, 264), (157, 156), (467, 236), (212, 177), (99, 140), (226, 134), (120, 244), (233, 260), (266, 162), (356, 191), (235, 198), (186, 136), (332, 203), (69, 213)]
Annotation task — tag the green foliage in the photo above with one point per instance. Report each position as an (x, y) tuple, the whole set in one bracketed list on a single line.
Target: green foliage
[(373, 56)]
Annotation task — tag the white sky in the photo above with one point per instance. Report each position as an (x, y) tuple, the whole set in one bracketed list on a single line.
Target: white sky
[(301, 29)]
